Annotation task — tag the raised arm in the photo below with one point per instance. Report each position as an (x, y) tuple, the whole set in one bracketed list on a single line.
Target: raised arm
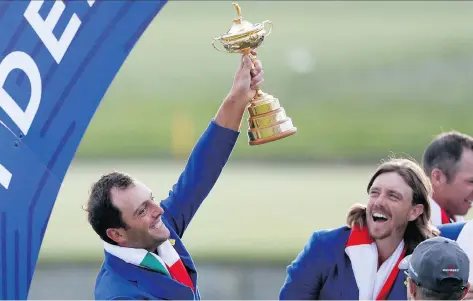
[(213, 149), (305, 273)]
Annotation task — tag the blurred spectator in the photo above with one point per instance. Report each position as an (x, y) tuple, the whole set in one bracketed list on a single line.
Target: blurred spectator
[(448, 162)]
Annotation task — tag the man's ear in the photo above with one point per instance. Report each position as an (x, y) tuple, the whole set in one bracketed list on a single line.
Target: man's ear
[(415, 212), (437, 177), (118, 235), (412, 288), (467, 292)]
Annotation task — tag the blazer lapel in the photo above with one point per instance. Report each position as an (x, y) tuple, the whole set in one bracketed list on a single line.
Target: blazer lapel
[(183, 254), (189, 264), (399, 290), (164, 287), (350, 289), (154, 283)]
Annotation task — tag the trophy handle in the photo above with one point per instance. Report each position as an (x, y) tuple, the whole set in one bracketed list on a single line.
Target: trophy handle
[(213, 44), (268, 32)]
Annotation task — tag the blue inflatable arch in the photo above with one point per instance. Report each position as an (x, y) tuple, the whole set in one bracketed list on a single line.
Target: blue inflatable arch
[(57, 60)]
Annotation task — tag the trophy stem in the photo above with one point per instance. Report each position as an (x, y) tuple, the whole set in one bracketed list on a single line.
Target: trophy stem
[(268, 121)]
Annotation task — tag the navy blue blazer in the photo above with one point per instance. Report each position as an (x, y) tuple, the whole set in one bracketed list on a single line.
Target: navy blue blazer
[(118, 280), (323, 271), (451, 230)]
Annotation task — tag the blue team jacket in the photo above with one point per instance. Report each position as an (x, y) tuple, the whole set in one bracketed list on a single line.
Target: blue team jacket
[(120, 280), (322, 270)]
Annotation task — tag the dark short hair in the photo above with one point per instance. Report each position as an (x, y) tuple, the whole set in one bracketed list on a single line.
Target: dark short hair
[(445, 151), (102, 214), (427, 294)]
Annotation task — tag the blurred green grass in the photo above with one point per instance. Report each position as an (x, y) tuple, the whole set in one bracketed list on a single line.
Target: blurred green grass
[(356, 131), (359, 79), (255, 212)]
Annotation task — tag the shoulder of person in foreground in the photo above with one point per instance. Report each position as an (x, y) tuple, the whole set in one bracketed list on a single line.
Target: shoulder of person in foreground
[(305, 273), (451, 230)]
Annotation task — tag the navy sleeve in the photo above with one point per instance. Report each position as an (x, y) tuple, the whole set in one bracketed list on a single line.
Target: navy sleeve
[(305, 273), (203, 168)]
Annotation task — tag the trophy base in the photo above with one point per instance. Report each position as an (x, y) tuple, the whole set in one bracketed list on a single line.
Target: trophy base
[(282, 135), (268, 121)]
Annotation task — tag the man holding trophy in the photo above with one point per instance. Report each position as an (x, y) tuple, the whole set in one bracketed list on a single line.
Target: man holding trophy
[(144, 255)]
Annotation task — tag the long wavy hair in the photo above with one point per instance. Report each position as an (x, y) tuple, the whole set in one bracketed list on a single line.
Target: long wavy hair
[(417, 230)]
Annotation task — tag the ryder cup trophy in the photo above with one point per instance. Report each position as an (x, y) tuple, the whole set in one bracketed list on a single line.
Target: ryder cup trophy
[(267, 121)]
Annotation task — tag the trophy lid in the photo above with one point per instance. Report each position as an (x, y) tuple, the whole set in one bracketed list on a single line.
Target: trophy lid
[(241, 27)]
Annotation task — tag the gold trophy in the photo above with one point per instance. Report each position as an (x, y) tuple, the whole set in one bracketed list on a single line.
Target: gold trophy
[(268, 121)]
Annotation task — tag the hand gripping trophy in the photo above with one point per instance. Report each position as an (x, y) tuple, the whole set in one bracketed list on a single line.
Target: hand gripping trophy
[(268, 121)]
